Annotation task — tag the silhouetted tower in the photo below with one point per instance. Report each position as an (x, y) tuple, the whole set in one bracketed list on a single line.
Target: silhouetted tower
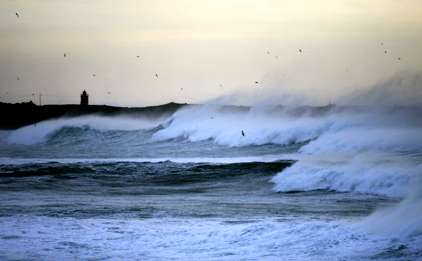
[(84, 98)]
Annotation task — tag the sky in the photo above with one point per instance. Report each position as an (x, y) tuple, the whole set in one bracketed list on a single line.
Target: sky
[(137, 53)]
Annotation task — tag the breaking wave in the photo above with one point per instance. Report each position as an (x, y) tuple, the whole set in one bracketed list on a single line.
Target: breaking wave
[(358, 150), (69, 128), (375, 150)]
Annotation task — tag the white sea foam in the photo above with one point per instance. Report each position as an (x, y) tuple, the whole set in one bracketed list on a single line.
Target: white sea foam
[(44, 238), (360, 150), (403, 220)]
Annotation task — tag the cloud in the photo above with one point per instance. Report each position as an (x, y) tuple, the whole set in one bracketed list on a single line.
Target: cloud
[(402, 89)]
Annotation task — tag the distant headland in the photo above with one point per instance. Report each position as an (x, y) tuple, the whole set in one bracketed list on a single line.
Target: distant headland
[(14, 116)]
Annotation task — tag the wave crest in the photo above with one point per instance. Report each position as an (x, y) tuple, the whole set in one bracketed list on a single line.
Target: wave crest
[(65, 128), (369, 173), (224, 125)]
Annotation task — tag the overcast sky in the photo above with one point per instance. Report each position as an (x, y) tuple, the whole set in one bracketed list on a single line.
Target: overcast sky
[(202, 50)]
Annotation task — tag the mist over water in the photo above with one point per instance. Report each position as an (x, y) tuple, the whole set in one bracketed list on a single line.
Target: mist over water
[(308, 183), (401, 89)]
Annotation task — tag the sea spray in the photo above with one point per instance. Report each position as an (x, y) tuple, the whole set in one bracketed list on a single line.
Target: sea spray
[(403, 219), (365, 150), (224, 125)]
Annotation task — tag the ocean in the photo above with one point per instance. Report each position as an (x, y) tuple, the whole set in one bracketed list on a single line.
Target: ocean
[(213, 182)]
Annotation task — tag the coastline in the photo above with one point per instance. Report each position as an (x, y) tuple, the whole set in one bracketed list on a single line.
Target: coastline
[(18, 115)]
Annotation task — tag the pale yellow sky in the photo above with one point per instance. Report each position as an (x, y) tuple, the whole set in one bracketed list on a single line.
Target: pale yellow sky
[(196, 46)]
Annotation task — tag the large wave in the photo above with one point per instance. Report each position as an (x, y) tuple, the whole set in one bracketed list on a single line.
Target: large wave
[(243, 126), (47, 130), (369, 150), (373, 151), (348, 149)]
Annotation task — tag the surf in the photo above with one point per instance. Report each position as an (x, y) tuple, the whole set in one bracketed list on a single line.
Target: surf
[(47, 130)]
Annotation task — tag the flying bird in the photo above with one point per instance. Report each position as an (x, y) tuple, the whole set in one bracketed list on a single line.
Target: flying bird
[(93, 75), (300, 50), (181, 89), (243, 134), (108, 92), (137, 56), (256, 82), (399, 58), (385, 52), (19, 79), (17, 14), (156, 75), (64, 54), (268, 52)]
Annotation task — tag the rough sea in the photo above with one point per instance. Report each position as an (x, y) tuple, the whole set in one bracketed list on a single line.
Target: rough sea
[(302, 183)]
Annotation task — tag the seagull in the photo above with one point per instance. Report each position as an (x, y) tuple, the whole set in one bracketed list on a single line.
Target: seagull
[(243, 134), (17, 14), (64, 55), (300, 50), (256, 82), (156, 75)]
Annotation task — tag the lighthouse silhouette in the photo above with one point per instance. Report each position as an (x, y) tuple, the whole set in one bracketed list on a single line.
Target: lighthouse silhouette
[(84, 98)]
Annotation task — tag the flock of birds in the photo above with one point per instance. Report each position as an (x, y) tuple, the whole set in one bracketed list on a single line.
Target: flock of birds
[(156, 75)]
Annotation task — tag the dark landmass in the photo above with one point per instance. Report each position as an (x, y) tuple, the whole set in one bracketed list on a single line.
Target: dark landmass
[(14, 116)]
